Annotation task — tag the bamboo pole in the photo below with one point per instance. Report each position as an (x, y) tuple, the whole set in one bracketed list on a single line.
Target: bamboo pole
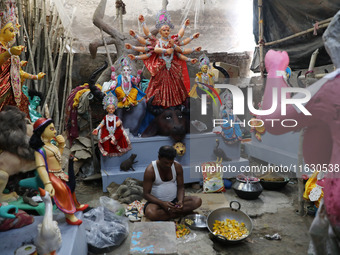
[(56, 77), (58, 43), (29, 17), (54, 46), (261, 42), (21, 21), (71, 70), (36, 44), (61, 125), (30, 52), (45, 68), (296, 35), (54, 85), (49, 50)]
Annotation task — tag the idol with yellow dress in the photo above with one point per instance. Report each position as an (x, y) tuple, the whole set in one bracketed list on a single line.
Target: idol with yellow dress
[(126, 91)]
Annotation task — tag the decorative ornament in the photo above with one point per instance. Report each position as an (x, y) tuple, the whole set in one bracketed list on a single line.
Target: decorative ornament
[(7, 14), (203, 60), (123, 61), (110, 99), (163, 18)]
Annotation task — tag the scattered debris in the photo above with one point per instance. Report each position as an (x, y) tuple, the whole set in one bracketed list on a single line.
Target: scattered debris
[(276, 236)]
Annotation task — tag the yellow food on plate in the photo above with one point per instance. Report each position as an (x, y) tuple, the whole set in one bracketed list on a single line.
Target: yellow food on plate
[(231, 229), (189, 221), (181, 230)]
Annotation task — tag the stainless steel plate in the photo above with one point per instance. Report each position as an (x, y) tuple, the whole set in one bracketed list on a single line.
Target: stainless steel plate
[(199, 221)]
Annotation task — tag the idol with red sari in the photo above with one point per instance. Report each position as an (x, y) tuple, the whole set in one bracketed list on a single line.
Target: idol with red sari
[(165, 60), (10, 85)]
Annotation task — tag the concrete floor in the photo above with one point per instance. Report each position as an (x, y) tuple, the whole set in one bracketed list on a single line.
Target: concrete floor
[(273, 212)]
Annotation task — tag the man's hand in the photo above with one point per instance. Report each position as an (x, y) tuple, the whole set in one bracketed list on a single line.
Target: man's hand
[(178, 206), (168, 206)]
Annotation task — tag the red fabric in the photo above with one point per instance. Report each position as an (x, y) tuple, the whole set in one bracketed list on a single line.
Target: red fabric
[(186, 78), (22, 219), (71, 114), (6, 92), (166, 85), (62, 197), (121, 141)]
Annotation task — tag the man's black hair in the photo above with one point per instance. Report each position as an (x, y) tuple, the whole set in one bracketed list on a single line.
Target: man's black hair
[(167, 152)]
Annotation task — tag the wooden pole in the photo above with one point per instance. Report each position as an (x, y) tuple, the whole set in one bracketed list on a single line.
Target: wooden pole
[(295, 35), (21, 22), (261, 42), (30, 52), (65, 90), (71, 70)]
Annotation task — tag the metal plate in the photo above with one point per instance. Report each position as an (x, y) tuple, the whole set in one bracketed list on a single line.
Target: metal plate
[(199, 221)]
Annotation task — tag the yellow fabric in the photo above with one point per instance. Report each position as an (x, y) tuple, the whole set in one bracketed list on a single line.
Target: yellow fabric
[(310, 184), (81, 92), (130, 99), (193, 91)]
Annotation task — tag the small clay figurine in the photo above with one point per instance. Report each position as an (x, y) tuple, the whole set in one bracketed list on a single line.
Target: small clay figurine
[(35, 99), (127, 164), (113, 140), (230, 132)]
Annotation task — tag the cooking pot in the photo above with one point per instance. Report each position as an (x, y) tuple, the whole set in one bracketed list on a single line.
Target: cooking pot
[(230, 213), (247, 187)]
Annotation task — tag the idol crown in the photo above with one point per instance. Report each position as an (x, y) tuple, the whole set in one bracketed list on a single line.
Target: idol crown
[(7, 13), (163, 18), (110, 99)]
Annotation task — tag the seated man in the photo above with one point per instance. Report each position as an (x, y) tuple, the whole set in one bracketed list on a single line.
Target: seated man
[(163, 187)]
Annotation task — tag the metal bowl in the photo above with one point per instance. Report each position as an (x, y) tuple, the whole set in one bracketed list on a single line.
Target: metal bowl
[(247, 189), (274, 185), (199, 221), (224, 213)]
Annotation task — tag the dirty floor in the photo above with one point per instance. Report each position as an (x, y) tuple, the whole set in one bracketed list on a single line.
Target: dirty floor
[(273, 212)]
